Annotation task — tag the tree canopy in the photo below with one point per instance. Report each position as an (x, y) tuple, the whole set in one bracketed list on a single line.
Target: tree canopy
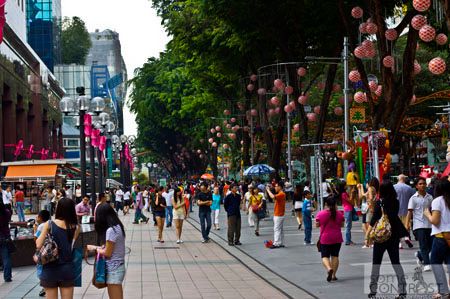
[(75, 41)]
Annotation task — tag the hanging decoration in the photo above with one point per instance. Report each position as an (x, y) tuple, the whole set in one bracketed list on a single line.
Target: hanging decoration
[(437, 66), (427, 33)]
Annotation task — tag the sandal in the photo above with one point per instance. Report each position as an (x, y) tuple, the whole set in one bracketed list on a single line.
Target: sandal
[(330, 275)]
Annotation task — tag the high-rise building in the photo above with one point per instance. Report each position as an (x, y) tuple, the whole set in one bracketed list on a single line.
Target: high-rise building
[(44, 29)]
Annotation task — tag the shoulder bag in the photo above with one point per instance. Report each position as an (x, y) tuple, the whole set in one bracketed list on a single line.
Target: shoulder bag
[(382, 230), (49, 251)]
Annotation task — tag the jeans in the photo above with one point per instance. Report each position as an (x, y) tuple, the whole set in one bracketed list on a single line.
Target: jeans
[(6, 258), (139, 215), (423, 235), (234, 228), (391, 246), (440, 253), (169, 215), (191, 202), (348, 227), (119, 206), (307, 222), (20, 213), (256, 221), (205, 223), (278, 233)]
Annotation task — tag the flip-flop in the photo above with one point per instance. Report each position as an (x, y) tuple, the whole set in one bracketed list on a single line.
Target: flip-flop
[(330, 275)]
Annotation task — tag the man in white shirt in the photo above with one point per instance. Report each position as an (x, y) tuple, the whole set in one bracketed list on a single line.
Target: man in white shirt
[(126, 202), (420, 201), (168, 195), (119, 200), (7, 198), (69, 193)]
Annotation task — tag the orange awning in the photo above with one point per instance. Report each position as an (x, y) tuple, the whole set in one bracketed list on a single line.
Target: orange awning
[(30, 172)]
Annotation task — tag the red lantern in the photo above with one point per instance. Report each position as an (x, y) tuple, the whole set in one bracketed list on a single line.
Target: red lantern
[(418, 21), (210, 140), (219, 135), (277, 110), (288, 108), (359, 97), (292, 104), (218, 128), (235, 128), (357, 12), (270, 112), (214, 144), (289, 89), (275, 101), (360, 52), (379, 91), (278, 84), (373, 86), (388, 61), (250, 87), (338, 111), (254, 112), (336, 87), (354, 76), (371, 28), (233, 120), (391, 34), (253, 78), (417, 67), (301, 71), (261, 91), (441, 39), (212, 131), (296, 127), (302, 99), (363, 28), (317, 110), (421, 5), (311, 117), (228, 126), (437, 66), (427, 33), (232, 136), (226, 112)]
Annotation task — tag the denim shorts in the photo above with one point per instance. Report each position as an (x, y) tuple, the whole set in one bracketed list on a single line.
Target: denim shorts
[(116, 276)]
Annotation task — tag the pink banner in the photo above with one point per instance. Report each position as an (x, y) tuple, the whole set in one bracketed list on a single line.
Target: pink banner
[(87, 125), (95, 138)]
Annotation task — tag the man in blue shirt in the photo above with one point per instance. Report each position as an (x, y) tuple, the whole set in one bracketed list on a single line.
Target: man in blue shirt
[(308, 207)]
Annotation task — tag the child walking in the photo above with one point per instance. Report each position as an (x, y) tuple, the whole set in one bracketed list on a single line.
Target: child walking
[(307, 209), (41, 218)]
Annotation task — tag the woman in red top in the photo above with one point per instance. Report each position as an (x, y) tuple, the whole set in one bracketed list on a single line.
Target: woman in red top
[(19, 200)]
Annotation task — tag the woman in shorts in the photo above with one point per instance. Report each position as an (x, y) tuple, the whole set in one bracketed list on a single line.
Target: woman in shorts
[(330, 222), (160, 213), (179, 212)]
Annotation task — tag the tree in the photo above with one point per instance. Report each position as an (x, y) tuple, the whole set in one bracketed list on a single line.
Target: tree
[(75, 41)]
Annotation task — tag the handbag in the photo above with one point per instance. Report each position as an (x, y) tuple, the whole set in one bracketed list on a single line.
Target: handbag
[(49, 251), (261, 214), (364, 208), (354, 215), (382, 229), (255, 208), (99, 277)]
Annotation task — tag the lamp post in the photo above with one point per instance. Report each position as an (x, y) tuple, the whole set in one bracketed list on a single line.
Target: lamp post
[(126, 142), (78, 108)]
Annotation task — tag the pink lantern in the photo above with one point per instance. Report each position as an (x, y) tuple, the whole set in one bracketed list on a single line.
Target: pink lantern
[(210, 140), (214, 144), (278, 84), (421, 5), (417, 67), (225, 146), (218, 128), (373, 86), (292, 104), (288, 108), (418, 21), (301, 72), (262, 91), (354, 76), (275, 101), (437, 66), (427, 33), (102, 143), (235, 128), (371, 28), (253, 77), (302, 99), (359, 97), (388, 61), (367, 44), (296, 127), (441, 39), (379, 91), (212, 131), (226, 112), (317, 110), (391, 34), (219, 135), (228, 126), (336, 87), (363, 28), (199, 151), (233, 120), (321, 85), (370, 52), (270, 112), (360, 52), (357, 12), (250, 87), (342, 100), (311, 117), (277, 110), (232, 136), (338, 111), (289, 90), (253, 112)]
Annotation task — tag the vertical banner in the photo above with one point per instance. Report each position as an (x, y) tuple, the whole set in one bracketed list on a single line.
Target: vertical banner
[(109, 157)]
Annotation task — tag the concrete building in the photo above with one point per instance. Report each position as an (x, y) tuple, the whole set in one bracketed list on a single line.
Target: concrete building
[(31, 124)]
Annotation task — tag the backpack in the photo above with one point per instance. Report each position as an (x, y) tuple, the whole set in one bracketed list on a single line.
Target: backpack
[(382, 229)]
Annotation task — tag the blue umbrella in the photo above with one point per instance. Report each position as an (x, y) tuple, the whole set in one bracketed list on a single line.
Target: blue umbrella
[(258, 169)]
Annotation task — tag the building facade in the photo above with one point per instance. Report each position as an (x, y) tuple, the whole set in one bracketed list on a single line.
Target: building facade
[(31, 123)]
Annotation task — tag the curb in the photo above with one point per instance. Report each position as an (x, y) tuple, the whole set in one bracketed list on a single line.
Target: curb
[(284, 286)]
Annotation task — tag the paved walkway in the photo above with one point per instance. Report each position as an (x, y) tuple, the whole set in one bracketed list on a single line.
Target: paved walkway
[(154, 270)]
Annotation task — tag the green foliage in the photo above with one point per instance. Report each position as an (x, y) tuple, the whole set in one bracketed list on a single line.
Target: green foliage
[(75, 41)]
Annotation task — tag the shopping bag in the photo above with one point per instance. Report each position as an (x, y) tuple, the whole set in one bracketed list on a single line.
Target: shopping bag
[(77, 259), (99, 278)]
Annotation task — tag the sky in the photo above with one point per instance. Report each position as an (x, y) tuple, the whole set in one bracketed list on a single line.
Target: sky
[(140, 32)]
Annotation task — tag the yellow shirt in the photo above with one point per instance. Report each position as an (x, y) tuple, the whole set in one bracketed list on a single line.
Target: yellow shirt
[(352, 179), (255, 199)]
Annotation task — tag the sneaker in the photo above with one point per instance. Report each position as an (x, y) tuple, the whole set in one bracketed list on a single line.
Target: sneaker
[(181, 241), (364, 246), (237, 243), (427, 268), (42, 293), (418, 260), (274, 247), (307, 243), (230, 243), (178, 241)]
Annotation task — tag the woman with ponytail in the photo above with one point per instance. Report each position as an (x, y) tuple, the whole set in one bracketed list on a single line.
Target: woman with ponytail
[(330, 222)]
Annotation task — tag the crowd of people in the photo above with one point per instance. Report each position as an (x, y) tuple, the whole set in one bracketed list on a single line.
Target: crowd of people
[(423, 208)]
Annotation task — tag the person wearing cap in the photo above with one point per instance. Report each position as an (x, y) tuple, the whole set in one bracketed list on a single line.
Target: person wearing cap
[(278, 215)]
